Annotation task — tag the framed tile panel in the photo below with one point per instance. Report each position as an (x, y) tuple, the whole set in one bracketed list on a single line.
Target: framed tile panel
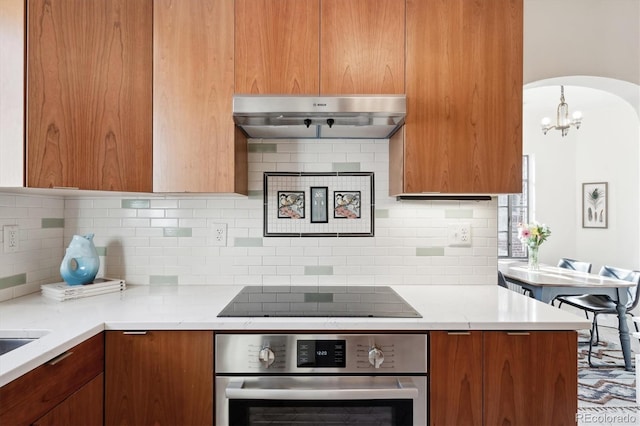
[(334, 204)]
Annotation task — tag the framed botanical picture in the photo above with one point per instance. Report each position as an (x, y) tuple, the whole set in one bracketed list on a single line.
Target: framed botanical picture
[(595, 212), (290, 204), (319, 204)]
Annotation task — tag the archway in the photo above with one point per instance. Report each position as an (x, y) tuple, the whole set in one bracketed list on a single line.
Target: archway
[(605, 149)]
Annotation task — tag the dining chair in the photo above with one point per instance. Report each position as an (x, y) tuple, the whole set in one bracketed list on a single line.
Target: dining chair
[(597, 304), (502, 282), (576, 265)]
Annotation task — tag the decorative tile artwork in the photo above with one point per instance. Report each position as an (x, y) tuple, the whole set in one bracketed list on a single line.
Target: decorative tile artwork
[(336, 204)]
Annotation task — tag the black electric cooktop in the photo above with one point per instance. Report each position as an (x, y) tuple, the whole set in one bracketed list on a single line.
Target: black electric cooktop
[(319, 301)]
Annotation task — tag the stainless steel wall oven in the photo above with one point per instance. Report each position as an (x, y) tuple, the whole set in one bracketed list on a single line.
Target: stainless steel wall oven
[(337, 379)]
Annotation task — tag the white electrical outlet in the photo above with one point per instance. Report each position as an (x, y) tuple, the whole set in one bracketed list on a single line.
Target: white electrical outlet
[(219, 234), (11, 240), (460, 235)]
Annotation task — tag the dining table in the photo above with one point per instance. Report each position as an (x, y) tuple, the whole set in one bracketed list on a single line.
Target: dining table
[(549, 282)]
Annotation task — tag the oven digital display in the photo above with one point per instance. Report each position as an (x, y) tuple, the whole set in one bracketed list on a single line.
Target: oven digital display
[(321, 353)]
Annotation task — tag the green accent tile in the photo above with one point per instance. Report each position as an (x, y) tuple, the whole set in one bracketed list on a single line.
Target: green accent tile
[(382, 213), (136, 204), (176, 232), (248, 242), (458, 214), (318, 297), (256, 194), (52, 222), (318, 270), (102, 251), (262, 147), (345, 167), (429, 251), (13, 281), (163, 279)]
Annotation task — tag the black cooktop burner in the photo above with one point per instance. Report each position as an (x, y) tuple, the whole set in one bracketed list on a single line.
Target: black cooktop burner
[(319, 301)]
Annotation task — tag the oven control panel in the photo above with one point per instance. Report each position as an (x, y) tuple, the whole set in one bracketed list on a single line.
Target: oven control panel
[(320, 353)]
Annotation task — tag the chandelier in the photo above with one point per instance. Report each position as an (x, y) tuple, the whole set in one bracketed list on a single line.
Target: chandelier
[(563, 123)]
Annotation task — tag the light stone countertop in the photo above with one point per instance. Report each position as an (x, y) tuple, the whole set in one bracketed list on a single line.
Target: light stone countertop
[(443, 307)]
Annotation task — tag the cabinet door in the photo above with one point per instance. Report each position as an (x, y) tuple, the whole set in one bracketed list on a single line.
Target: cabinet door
[(89, 94), (362, 47), (159, 377), (85, 407), (463, 131), (195, 148), (34, 394), (530, 378), (276, 46), (455, 374), (12, 44)]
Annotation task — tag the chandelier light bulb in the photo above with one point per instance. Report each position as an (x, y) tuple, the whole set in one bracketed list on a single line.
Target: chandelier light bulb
[(563, 122)]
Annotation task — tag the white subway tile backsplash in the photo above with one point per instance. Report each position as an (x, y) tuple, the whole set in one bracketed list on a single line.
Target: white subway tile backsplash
[(132, 230)]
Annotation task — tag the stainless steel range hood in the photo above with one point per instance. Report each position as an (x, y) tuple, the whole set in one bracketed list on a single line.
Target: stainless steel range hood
[(314, 117)]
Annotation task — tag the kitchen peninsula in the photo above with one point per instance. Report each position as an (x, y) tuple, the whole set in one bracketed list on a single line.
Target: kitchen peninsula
[(450, 314)]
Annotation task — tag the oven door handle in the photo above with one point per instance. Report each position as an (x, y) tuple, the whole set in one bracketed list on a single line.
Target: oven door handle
[(404, 389)]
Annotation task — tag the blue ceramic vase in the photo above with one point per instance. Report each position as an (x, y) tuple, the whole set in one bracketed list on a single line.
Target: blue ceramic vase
[(81, 262)]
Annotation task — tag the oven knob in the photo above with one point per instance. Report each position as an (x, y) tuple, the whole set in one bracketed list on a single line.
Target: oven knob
[(266, 357), (376, 357)]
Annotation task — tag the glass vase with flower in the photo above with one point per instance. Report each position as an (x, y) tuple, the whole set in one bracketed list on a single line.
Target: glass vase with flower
[(533, 235)]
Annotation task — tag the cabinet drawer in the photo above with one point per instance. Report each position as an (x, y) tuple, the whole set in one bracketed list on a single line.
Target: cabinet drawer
[(27, 398)]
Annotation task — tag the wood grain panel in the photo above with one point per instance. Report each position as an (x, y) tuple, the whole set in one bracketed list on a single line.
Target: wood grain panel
[(193, 146), (455, 371), (530, 379), (163, 377), (30, 396), (85, 407), (362, 47), (89, 94), (277, 46), (464, 96)]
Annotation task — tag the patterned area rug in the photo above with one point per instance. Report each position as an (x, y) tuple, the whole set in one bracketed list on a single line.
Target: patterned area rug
[(608, 386)]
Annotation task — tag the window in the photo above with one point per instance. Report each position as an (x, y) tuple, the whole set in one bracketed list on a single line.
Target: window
[(513, 209)]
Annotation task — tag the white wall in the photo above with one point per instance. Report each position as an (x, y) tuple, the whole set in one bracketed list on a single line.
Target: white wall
[(582, 37), (605, 149)]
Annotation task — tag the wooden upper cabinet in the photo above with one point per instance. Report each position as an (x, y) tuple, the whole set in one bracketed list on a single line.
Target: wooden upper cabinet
[(362, 47), (195, 145), (276, 46), (463, 131), (322, 47), (89, 94)]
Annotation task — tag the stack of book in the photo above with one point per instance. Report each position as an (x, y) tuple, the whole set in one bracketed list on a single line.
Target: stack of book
[(63, 291)]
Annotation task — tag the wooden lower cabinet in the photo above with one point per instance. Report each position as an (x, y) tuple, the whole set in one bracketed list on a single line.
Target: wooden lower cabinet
[(85, 407), (455, 372), (499, 377), (65, 390), (159, 377)]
